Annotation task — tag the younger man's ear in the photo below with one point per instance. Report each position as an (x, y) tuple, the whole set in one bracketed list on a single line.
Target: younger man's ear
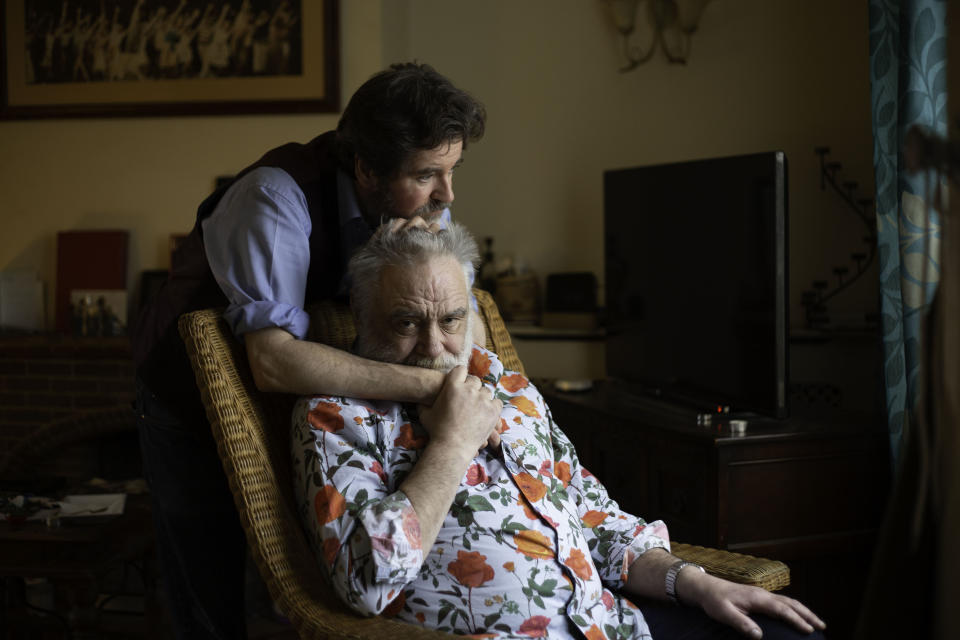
[(366, 179)]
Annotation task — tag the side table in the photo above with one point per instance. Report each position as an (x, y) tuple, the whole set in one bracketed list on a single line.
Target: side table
[(75, 557)]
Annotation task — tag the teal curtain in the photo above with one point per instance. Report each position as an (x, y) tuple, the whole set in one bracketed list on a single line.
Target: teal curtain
[(908, 86)]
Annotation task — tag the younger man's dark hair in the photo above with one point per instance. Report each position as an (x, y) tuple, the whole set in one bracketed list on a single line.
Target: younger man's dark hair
[(401, 110)]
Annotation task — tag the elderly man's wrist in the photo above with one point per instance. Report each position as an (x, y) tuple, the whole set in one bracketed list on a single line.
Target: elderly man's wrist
[(691, 580), (455, 448)]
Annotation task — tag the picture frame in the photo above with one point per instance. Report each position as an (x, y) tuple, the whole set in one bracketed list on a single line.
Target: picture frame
[(117, 58)]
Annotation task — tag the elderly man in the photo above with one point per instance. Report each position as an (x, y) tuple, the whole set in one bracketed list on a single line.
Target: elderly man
[(474, 515)]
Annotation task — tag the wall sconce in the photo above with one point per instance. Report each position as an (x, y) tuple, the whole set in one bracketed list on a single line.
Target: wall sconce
[(673, 23)]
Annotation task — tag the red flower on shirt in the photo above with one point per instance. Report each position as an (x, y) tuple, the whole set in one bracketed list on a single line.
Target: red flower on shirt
[(535, 627), (532, 488), (326, 416), (470, 569), (411, 527), (514, 382), (328, 504), (330, 548), (594, 633), (476, 474), (592, 518), (408, 440), (579, 564), (607, 599), (479, 364)]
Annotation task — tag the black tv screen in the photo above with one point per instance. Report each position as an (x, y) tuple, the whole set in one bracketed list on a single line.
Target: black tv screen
[(696, 281)]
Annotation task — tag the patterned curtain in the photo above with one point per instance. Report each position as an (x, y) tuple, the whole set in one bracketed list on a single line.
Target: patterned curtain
[(908, 78)]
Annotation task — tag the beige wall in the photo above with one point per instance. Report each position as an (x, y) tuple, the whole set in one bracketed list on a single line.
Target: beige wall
[(790, 74), (145, 174)]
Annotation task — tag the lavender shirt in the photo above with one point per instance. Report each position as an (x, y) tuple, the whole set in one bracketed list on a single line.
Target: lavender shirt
[(257, 244)]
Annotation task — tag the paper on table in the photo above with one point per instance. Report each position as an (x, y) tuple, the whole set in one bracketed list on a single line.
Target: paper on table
[(95, 504)]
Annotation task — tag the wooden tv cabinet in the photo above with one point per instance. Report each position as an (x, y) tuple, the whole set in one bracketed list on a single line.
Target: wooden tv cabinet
[(809, 491)]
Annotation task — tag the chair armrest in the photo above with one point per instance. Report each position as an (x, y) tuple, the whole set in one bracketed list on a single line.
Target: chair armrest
[(736, 567)]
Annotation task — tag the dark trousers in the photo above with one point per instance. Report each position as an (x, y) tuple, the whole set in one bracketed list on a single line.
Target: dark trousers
[(200, 542), (669, 622)]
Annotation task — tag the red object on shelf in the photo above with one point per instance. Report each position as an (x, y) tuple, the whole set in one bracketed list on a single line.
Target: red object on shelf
[(89, 259)]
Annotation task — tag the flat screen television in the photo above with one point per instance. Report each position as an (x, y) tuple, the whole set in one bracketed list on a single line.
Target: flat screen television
[(696, 282)]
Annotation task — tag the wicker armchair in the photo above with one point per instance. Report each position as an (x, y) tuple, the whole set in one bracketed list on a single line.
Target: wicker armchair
[(250, 428)]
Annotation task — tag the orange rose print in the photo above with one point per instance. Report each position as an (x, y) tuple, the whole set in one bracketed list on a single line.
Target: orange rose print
[(326, 416), (470, 569), (408, 440), (535, 627), (532, 488), (514, 382), (479, 364), (411, 527), (330, 548), (525, 405), (593, 518), (503, 426), (562, 471), (508, 566), (533, 544), (328, 504), (594, 633), (420, 617), (579, 564), (395, 606)]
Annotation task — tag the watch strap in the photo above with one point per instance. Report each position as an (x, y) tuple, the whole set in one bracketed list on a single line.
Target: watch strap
[(671, 580)]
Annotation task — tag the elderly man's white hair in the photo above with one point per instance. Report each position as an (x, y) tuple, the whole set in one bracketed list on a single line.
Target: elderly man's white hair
[(406, 248)]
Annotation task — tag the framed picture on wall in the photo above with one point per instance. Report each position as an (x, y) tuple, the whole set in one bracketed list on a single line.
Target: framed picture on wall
[(75, 58)]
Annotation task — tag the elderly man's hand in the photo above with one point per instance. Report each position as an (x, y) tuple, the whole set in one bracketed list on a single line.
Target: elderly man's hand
[(464, 415), (729, 603)]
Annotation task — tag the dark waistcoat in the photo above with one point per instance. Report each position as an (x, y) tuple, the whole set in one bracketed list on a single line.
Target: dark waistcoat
[(158, 351)]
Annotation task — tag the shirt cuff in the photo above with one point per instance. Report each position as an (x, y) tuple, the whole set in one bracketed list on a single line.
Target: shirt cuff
[(260, 315), (652, 535), (393, 529)]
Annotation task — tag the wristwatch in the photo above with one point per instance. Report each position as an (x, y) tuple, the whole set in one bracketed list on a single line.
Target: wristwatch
[(672, 573)]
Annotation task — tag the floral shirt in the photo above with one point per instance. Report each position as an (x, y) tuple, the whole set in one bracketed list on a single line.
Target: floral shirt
[(532, 546)]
